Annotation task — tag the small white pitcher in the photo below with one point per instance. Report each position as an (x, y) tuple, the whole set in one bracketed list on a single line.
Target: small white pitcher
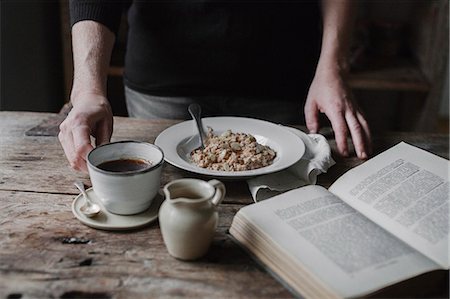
[(188, 217)]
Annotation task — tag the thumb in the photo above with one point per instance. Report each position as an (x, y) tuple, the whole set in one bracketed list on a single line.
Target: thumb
[(312, 116), (103, 133)]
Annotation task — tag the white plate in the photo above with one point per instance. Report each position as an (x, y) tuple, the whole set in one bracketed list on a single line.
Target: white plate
[(176, 143), (109, 221)]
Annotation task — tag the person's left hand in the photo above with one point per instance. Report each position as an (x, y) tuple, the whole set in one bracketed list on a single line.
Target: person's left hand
[(330, 95)]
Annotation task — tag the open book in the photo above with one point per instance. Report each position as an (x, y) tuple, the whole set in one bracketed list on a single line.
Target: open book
[(382, 222)]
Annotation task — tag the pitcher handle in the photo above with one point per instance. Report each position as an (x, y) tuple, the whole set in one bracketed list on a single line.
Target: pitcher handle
[(220, 191)]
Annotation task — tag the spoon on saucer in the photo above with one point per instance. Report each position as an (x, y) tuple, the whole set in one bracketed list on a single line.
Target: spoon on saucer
[(89, 208), (195, 110)]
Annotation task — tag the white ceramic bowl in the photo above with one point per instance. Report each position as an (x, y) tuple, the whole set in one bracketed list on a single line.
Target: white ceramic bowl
[(130, 192)]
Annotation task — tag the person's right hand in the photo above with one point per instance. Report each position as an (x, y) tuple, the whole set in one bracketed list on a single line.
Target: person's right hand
[(91, 115)]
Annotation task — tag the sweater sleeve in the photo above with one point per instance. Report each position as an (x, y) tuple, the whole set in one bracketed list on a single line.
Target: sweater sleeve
[(105, 12)]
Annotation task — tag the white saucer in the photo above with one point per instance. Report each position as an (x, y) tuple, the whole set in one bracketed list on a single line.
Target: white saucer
[(109, 221)]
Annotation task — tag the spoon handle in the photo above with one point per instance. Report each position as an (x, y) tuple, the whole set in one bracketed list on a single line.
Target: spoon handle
[(80, 187), (196, 112)]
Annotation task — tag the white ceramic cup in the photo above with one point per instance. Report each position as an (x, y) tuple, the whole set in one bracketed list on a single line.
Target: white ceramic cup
[(129, 192)]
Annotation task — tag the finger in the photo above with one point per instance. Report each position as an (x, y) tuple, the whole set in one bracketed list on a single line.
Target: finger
[(358, 135), (82, 146), (312, 116), (340, 129), (103, 133), (66, 140), (368, 135)]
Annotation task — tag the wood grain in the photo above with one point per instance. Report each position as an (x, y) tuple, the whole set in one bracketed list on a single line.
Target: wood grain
[(37, 259), (46, 253), (400, 77)]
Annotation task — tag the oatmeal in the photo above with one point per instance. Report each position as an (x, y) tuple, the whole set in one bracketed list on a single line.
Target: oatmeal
[(232, 152)]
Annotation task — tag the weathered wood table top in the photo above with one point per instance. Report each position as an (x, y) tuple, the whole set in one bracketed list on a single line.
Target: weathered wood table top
[(46, 252)]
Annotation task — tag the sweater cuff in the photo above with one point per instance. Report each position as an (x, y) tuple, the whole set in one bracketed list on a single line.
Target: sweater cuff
[(107, 13)]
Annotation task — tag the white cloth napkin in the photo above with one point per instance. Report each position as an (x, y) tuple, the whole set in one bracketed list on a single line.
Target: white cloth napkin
[(316, 160)]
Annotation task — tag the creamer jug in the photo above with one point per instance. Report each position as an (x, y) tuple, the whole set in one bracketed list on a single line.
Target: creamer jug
[(188, 217)]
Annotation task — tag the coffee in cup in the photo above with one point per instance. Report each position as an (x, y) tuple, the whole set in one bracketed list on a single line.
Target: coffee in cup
[(123, 165)]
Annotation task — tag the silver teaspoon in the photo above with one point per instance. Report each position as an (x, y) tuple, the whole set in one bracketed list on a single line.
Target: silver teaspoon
[(89, 208), (196, 112)]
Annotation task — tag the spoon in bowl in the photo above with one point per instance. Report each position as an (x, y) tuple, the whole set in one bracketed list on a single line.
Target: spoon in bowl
[(196, 112), (89, 208)]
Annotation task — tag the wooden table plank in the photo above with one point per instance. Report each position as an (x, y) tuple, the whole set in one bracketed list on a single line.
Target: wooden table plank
[(38, 164), (15, 123), (24, 155), (397, 75), (37, 259), (53, 269)]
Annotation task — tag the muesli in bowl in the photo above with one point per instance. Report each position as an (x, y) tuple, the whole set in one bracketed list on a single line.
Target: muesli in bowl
[(232, 152)]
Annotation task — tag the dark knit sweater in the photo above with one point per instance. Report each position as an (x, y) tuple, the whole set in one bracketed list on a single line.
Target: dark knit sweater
[(207, 47)]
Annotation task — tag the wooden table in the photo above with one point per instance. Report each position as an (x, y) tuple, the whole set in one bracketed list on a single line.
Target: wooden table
[(46, 252)]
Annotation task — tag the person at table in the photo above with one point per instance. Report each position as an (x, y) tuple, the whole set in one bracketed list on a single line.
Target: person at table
[(251, 59)]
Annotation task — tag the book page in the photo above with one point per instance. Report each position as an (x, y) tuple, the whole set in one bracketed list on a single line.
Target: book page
[(406, 191), (338, 245)]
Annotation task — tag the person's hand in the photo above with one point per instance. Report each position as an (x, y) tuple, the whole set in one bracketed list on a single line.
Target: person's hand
[(328, 94), (91, 115)]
